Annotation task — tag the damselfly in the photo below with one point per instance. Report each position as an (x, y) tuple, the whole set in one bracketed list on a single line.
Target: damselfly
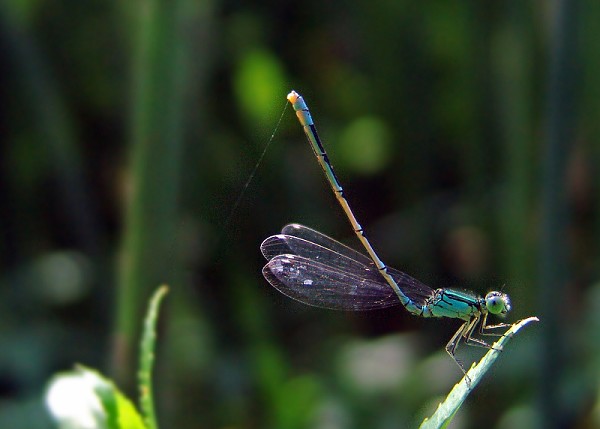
[(320, 271)]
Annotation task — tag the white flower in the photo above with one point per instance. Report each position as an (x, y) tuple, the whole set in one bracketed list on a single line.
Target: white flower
[(72, 401)]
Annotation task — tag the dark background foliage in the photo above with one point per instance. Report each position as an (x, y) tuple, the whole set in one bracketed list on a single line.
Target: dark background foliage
[(466, 136)]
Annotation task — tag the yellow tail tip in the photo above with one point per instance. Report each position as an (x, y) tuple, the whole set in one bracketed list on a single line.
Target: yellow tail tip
[(293, 96)]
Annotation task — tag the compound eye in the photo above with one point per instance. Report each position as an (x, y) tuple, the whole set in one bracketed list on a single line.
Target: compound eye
[(497, 303)]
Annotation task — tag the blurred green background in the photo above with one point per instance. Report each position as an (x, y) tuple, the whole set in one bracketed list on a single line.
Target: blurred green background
[(465, 133)]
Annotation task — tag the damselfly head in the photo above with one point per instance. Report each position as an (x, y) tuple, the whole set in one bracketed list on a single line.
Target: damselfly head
[(497, 303)]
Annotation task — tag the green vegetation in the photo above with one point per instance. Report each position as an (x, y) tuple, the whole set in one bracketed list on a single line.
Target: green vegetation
[(130, 128)]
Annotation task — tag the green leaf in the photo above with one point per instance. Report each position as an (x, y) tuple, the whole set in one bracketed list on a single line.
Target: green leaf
[(147, 346), (83, 398), (447, 409), (259, 82), (296, 401), (365, 145)]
